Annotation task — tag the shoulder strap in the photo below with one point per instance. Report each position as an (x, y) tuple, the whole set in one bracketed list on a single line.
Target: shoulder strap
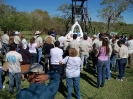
[(37, 36), (67, 60)]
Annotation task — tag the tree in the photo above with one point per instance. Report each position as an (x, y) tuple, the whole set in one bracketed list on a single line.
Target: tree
[(112, 10), (66, 10), (57, 23), (17, 21), (40, 20), (6, 11)]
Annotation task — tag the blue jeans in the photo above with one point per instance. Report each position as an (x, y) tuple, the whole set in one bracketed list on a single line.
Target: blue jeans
[(73, 82), (101, 71), (114, 61), (1, 86), (39, 54), (122, 64), (116, 66), (84, 55), (33, 58), (108, 75), (14, 78)]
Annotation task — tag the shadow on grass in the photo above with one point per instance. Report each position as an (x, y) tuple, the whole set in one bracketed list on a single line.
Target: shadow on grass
[(91, 71), (114, 75), (85, 96), (88, 79), (62, 89)]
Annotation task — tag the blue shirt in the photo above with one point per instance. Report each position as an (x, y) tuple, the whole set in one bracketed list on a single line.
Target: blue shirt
[(41, 91)]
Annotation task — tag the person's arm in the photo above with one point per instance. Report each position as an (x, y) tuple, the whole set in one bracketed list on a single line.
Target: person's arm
[(54, 81), (90, 48), (40, 78), (21, 95), (97, 53), (116, 49)]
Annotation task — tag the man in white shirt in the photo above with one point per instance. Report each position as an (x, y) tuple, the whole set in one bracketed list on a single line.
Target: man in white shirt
[(14, 58), (56, 55), (122, 55), (5, 40), (5, 37), (62, 39)]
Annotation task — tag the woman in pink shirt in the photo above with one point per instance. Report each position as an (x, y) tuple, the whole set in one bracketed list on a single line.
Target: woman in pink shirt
[(102, 54)]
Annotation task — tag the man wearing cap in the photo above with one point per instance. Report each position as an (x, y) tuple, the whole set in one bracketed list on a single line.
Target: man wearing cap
[(39, 42), (14, 59), (38, 89)]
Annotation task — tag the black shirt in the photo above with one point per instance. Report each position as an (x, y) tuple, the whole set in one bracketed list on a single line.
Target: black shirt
[(47, 47)]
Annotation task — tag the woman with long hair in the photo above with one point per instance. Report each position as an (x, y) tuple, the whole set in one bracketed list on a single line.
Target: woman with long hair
[(102, 53)]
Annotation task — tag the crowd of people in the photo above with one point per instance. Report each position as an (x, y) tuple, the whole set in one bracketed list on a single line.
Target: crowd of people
[(47, 57)]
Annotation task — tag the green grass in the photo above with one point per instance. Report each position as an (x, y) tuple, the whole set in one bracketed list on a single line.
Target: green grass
[(113, 89)]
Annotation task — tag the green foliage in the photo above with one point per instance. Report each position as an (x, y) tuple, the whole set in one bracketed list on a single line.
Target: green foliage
[(17, 21), (40, 20), (11, 19), (66, 9), (112, 10)]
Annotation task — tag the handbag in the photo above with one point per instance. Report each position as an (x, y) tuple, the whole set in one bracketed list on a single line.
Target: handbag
[(64, 70)]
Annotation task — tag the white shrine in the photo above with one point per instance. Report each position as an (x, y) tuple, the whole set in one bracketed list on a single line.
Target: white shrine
[(71, 32)]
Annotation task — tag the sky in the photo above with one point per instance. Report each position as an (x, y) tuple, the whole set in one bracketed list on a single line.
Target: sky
[(52, 5)]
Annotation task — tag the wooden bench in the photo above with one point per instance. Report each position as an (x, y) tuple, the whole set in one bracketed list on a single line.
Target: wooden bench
[(25, 67)]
